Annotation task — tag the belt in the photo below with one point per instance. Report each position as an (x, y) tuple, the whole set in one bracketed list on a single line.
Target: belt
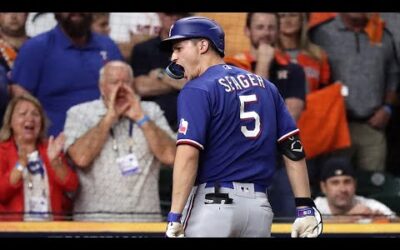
[(229, 184)]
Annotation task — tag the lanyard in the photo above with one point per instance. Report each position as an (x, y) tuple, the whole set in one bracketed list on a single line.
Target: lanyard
[(34, 162), (130, 141)]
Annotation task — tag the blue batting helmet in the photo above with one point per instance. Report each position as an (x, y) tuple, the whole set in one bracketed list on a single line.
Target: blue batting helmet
[(196, 27)]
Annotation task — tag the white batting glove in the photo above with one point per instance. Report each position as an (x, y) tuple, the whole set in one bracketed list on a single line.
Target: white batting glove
[(308, 223), (174, 227), (174, 230)]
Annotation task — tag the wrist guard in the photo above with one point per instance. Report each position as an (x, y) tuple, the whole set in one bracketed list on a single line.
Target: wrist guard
[(304, 202), (174, 217), (303, 212)]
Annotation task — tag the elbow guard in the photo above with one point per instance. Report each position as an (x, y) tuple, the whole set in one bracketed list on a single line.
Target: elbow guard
[(292, 148)]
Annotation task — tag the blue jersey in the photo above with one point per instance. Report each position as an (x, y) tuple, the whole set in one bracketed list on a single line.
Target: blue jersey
[(236, 119), (61, 74)]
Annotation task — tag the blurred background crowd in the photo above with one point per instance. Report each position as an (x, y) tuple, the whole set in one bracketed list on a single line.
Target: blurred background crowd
[(62, 146)]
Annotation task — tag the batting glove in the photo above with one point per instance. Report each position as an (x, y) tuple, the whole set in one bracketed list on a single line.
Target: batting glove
[(308, 223), (174, 227)]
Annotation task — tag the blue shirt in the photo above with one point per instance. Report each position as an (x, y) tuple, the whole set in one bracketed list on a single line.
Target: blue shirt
[(4, 97), (235, 118), (60, 74)]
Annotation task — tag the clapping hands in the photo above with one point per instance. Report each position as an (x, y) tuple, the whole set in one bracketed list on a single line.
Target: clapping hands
[(55, 146)]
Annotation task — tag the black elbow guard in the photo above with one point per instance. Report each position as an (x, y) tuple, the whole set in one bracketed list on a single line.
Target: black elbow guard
[(292, 147)]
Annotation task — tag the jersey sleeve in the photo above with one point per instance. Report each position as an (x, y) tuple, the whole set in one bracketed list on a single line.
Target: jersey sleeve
[(194, 116)]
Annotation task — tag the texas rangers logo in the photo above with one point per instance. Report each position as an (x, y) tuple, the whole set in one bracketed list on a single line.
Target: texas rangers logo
[(183, 126), (103, 55)]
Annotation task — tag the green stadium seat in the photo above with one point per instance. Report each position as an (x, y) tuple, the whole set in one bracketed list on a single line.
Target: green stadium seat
[(382, 186), (370, 182), (390, 195)]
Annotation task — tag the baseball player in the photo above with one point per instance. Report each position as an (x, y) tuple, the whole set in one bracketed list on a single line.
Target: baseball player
[(231, 124)]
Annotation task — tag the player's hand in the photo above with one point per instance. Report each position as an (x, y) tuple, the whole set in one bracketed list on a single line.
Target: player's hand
[(308, 223), (174, 227), (174, 230)]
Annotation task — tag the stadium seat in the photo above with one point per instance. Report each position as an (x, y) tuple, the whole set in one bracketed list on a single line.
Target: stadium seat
[(370, 182), (390, 195)]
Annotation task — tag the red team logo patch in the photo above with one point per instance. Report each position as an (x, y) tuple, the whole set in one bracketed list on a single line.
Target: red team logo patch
[(183, 126)]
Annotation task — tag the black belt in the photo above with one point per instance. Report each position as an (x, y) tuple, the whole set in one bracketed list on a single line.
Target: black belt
[(229, 184)]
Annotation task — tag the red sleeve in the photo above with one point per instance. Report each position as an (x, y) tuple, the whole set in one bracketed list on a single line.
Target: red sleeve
[(8, 159), (70, 184)]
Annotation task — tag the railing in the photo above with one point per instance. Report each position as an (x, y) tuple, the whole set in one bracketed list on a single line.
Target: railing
[(127, 229)]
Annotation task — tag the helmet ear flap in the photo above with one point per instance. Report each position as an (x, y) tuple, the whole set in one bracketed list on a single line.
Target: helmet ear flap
[(175, 71)]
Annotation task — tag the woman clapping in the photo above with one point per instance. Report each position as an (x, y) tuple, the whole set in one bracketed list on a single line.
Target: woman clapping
[(33, 171)]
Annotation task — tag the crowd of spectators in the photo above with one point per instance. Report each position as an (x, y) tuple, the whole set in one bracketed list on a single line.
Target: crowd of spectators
[(88, 116)]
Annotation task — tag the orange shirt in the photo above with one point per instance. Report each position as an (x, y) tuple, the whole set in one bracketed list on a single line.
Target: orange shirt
[(323, 124), (316, 18), (374, 27), (317, 72), (8, 53), (244, 64), (245, 59)]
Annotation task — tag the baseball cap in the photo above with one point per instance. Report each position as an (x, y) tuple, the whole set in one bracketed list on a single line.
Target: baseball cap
[(337, 166)]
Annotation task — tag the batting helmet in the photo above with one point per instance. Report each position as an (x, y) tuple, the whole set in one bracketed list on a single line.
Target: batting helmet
[(196, 27)]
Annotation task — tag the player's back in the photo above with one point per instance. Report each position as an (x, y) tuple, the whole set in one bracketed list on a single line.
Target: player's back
[(236, 118)]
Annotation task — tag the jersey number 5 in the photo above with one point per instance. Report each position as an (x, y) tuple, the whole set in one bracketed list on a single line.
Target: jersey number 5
[(249, 115)]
